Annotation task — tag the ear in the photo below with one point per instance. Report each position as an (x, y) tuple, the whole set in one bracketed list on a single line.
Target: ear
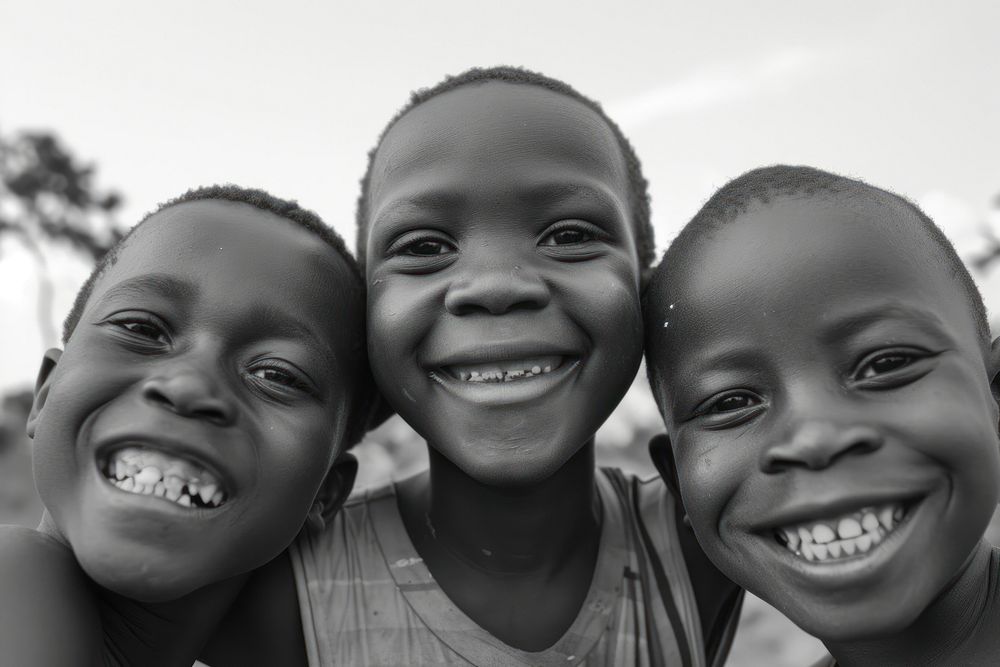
[(663, 458), (42, 385), (371, 415), (337, 486)]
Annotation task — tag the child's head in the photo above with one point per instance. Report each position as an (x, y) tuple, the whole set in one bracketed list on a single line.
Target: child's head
[(504, 224), (213, 367), (822, 361)]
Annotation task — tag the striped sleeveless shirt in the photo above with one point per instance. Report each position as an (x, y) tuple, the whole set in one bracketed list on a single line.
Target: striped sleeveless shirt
[(367, 598)]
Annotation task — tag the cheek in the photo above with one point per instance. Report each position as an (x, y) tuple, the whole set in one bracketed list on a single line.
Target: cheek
[(399, 307), (711, 475), (608, 302)]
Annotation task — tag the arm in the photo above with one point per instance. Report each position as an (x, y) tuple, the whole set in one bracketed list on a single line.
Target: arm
[(48, 610)]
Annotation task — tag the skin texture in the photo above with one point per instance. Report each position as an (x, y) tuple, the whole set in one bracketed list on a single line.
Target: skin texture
[(214, 335), (815, 357), (500, 230)]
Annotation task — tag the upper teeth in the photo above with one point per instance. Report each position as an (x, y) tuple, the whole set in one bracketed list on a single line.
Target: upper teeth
[(151, 472), (841, 537), (505, 371)]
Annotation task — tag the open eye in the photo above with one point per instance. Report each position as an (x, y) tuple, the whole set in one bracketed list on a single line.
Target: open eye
[(733, 402), (569, 233), (274, 375), (891, 368), (729, 408), (141, 326), (884, 363), (425, 247)]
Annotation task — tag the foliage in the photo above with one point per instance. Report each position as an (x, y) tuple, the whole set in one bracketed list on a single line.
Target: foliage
[(47, 194)]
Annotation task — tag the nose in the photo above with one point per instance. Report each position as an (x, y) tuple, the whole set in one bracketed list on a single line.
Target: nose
[(496, 290), (190, 392), (816, 444)]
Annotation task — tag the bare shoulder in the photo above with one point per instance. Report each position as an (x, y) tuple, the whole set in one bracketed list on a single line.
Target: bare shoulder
[(48, 612), (263, 626)]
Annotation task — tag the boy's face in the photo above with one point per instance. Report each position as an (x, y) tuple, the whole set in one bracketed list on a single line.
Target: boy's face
[(830, 411), (184, 432), (503, 308)]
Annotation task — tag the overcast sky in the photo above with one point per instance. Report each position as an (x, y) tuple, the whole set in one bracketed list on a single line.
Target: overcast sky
[(290, 96)]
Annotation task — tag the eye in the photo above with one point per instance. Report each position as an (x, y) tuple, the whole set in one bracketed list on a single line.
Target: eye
[(275, 375), (885, 363), (886, 369), (570, 233), (733, 402), (142, 326), (427, 247), (729, 408)]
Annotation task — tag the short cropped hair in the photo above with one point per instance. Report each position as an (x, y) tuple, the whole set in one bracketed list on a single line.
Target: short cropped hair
[(769, 183), (287, 209), (638, 186)]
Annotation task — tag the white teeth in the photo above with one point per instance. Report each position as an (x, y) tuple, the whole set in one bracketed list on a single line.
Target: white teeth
[(506, 371), (848, 528), (823, 534), (150, 472), (852, 534), (206, 492), (148, 475), (885, 517)]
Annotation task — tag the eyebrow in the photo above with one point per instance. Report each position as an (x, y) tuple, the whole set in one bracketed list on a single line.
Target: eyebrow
[(844, 326), (555, 191), (434, 200), (276, 321), (160, 283)]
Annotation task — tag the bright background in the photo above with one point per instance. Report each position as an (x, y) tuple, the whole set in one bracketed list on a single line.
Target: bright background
[(165, 96)]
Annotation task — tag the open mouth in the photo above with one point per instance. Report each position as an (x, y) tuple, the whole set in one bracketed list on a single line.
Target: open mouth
[(151, 472), (505, 371), (839, 538)]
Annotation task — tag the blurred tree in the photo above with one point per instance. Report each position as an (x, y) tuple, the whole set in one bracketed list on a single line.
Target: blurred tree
[(47, 195), (991, 254)]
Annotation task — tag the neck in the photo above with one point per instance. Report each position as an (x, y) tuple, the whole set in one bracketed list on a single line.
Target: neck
[(950, 631), (164, 633), (513, 529)]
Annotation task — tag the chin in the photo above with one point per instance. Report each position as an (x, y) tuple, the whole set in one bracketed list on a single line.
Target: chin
[(506, 465), (848, 623), (140, 579)]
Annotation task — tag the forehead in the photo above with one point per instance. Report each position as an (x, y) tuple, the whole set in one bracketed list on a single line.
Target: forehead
[(512, 136), (796, 263), (234, 254)]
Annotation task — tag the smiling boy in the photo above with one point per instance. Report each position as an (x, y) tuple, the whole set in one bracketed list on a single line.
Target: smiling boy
[(504, 229), (823, 364), (213, 369)]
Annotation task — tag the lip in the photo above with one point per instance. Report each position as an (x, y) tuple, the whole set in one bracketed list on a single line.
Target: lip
[(503, 352), (819, 509)]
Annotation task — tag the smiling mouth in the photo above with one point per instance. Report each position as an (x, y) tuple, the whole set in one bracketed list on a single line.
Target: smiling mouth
[(144, 471), (505, 371), (843, 537)]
